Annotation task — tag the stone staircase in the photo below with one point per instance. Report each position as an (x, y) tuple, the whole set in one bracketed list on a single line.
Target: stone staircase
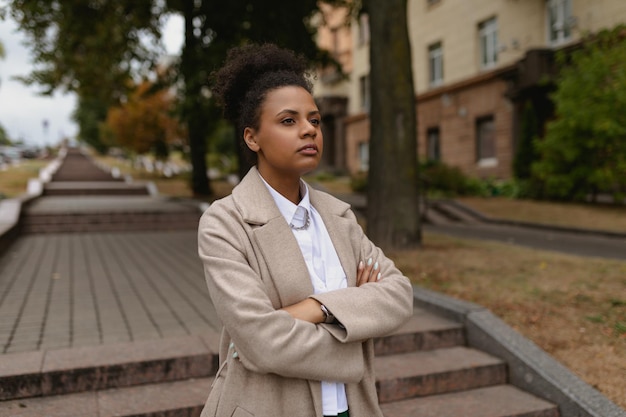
[(82, 197), (441, 212), (424, 369)]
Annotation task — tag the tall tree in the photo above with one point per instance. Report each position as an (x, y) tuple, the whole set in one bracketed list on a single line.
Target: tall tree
[(144, 123), (393, 215), (88, 47), (94, 47), (211, 28)]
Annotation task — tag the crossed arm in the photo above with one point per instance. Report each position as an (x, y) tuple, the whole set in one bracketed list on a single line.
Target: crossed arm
[(310, 310)]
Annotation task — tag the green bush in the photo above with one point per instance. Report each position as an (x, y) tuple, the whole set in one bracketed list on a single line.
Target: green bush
[(583, 152), (442, 179), (358, 182)]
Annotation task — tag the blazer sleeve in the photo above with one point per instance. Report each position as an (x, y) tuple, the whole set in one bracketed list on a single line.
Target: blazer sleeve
[(373, 309), (267, 340)]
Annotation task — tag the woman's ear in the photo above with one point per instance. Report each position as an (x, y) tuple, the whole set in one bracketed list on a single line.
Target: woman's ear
[(250, 138)]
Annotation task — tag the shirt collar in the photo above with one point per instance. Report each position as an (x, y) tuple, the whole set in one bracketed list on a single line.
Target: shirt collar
[(286, 207)]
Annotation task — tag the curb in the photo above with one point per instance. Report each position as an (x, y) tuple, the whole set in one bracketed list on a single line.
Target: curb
[(530, 368)]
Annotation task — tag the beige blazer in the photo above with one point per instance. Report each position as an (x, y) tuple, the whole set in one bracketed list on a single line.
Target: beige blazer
[(253, 267)]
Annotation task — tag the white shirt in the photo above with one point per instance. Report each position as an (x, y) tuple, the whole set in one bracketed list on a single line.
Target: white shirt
[(325, 271)]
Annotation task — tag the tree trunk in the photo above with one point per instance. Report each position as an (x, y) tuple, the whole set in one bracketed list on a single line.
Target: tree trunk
[(393, 216), (193, 111)]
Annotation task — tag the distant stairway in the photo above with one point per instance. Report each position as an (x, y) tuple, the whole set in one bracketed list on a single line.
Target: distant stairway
[(82, 197), (439, 212), (425, 369)]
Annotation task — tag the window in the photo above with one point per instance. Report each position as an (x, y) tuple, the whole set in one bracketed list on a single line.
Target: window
[(432, 144), (488, 39), (364, 29), (486, 142), (364, 156), (435, 63), (559, 21), (334, 33), (364, 92)]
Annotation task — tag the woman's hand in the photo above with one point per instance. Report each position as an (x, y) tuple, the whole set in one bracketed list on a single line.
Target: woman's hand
[(367, 272), (308, 309)]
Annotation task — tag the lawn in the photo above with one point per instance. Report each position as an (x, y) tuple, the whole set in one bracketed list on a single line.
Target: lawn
[(14, 179), (572, 307)]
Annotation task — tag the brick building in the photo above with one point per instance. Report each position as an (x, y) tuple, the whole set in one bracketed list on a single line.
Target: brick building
[(476, 65)]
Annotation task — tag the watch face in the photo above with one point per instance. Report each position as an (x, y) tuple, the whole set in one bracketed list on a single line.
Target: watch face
[(328, 317)]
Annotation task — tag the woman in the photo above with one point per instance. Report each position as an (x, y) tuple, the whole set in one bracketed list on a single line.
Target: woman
[(299, 288)]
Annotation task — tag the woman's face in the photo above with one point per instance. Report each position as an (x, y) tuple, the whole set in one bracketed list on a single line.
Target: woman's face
[(289, 139)]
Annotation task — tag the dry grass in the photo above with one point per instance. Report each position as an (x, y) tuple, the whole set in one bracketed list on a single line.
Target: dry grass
[(588, 216), (574, 308), (14, 179)]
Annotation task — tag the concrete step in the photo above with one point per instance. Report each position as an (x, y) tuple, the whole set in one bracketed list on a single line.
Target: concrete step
[(59, 188), (186, 398), (109, 222), (167, 399), (417, 374), (424, 331), (453, 212), (71, 370), (433, 216), (496, 401), (77, 166), (422, 369), (97, 213)]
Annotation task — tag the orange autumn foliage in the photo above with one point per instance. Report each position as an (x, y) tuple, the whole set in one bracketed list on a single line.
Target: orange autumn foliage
[(144, 121)]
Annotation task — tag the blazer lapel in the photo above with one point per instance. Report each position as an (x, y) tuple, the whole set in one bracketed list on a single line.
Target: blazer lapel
[(284, 261), (280, 251)]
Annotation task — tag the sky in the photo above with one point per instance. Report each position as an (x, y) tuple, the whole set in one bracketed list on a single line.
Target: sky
[(44, 120)]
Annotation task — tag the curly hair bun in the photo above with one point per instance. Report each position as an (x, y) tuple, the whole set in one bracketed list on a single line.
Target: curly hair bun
[(259, 68)]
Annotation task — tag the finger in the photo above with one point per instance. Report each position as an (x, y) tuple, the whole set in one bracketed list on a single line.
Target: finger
[(373, 276), (359, 273), (367, 271), (363, 272)]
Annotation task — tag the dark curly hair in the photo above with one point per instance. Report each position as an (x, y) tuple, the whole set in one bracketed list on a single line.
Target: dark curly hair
[(249, 73)]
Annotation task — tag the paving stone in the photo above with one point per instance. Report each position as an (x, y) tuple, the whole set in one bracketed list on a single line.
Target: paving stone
[(182, 398), (497, 401), (83, 404)]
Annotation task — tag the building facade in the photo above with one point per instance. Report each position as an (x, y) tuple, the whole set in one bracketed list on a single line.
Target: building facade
[(476, 65)]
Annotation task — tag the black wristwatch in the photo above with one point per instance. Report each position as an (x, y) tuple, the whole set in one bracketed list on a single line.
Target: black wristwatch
[(328, 316)]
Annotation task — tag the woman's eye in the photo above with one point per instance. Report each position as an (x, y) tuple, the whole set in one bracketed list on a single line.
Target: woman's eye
[(288, 121), (316, 122)]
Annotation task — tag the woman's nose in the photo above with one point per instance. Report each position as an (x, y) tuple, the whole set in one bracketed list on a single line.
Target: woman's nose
[(309, 129)]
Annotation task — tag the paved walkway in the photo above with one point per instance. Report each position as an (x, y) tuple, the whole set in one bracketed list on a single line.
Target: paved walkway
[(83, 289)]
